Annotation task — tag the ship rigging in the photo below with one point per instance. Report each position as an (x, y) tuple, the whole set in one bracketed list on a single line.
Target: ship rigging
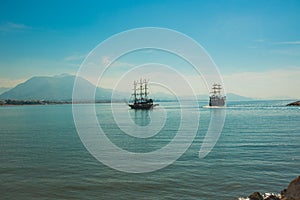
[(216, 98), (140, 96)]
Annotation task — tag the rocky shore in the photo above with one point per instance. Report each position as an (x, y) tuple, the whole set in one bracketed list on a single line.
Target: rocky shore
[(296, 103), (292, 192)]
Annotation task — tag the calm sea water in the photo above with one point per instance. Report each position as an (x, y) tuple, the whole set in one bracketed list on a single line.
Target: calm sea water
[(42, 156)]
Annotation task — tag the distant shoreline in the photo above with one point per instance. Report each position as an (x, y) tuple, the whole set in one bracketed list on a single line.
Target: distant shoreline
[(42, 102), (10, 102), (13, 102)]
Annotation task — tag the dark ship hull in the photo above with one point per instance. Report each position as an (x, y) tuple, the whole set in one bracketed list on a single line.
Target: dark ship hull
[(141, 106), (217, 101), (140, 94)]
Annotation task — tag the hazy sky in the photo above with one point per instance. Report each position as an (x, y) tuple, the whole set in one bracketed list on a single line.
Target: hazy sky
[(255, 44)]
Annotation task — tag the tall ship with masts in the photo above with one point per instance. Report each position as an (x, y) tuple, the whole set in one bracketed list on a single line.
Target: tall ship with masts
[(216, 98), (140, 96)]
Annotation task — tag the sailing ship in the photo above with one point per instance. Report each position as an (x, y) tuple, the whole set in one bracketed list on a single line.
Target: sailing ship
[(140, 96), (216, 98)]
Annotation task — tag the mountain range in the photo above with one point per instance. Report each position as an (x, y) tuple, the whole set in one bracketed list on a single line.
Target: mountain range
[(56, 88), (60, 88)]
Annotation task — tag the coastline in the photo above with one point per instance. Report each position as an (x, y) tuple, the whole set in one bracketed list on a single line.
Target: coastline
[(10, 102), (292, 192)]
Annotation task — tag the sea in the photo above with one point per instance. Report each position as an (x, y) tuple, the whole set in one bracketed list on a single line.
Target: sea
[(42, 155)]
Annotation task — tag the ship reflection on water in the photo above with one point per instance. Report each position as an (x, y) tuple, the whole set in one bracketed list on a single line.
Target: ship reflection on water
[(141, 117)]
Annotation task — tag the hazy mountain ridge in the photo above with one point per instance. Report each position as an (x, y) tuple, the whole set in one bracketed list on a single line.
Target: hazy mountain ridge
[(53, 88), (236, 97), (60, 88)]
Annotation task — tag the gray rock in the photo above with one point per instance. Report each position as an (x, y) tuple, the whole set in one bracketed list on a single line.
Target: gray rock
[(272, 197), (256, 196), (293, 190), (296, 103)]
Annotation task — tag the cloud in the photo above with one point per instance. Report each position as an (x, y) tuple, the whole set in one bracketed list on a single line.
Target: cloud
[(75, 57), (258, 43), (268, 84), (10, 27), (106, 60), (287, 43), (286, 52), (287, 48)]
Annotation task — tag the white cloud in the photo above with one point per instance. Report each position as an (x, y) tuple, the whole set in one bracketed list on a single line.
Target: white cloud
[(10, 26), (286, 52), (269, 84), (287, 43), (106, 60), (75, 57)]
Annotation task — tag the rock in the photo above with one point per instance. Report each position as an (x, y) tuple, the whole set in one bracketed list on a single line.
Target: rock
[(283, 193), (256, 196), (293, 190), (296, 103), (272, 197), (291, 193)]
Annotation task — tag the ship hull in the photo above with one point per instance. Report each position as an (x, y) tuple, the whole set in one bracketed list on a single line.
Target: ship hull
[(140, 94), (141, 106), (217, 101)]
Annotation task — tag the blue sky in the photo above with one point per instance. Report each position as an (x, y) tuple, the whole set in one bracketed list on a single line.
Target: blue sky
[(255, 43)]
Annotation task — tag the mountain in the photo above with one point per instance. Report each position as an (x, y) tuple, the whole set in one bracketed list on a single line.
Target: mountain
[(56, 88), (3, 89), (235, 97)]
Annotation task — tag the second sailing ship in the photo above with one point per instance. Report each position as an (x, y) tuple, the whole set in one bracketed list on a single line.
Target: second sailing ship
[(216, 99)]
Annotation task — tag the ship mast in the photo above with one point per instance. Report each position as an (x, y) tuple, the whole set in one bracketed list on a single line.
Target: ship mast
[(141, 89), (146, 93), (134, 91), (216, 89)]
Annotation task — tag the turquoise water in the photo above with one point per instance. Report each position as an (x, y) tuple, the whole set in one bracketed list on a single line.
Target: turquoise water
[(42, 156)]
